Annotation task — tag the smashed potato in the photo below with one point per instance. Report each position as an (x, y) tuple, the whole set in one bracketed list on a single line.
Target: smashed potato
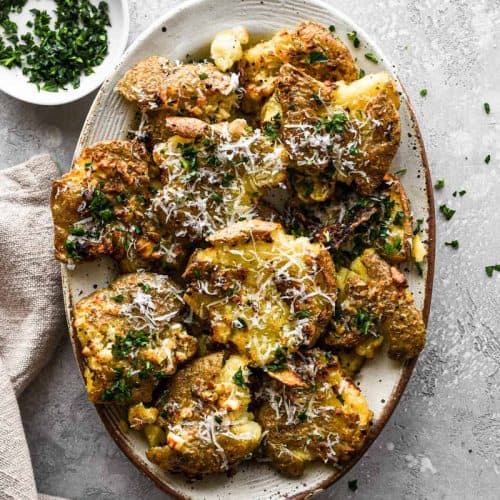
[(206, 419), (376, 304), (99, 208), (131, 335), (213, 175), (327, 129), (261, 290), (310, 47), (324, 418), (226, 48)]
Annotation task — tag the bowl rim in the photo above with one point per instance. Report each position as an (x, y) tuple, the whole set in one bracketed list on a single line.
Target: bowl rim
[(408, 368), (72, 94)]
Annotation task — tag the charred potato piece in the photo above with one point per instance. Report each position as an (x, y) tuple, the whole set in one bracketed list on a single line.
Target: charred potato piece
[(206, 419), (262, 290), (375, 304), (383, 221), (352, 130), (131, 334), (327, 418), (310, 47), (142, 83), (200, 91), (213, 175), (101, 208)]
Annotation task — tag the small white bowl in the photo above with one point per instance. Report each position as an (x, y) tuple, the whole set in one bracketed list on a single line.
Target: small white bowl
[(14, 83)]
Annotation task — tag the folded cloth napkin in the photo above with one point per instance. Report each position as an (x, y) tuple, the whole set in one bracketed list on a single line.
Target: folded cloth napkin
[(31, 310)]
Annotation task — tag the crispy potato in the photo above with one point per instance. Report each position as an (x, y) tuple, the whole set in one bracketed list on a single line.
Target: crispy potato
[(100, 208), (375, 302), (206, 418), (213, 176), (142, 83), (226, 47), (330, 127), (262, 290), (200, 91), (310, 47), (326, 419), (131, 334)]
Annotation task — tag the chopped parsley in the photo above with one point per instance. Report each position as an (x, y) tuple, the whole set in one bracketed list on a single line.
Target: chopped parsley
[(461, 193), (101, 207), (217, 197), (393, 247), (399, 217), (331, 28), (270, 131), (487, 159), (317, 99), (423, 92), (279, 362), (487, 108), (489, 269), (353, 36), (418, 226), (120, 390), (145, 287), (452, 244), (303, 314), (447, 212), (439, 184), (56, 52), (371, 57), (302, 416), (203, 76), (118, 298), (239, 378), (362, 73), (124, 346), (401, 171), (316, 57), (336, 124), (353, 484), (77, 231), (363, 321)]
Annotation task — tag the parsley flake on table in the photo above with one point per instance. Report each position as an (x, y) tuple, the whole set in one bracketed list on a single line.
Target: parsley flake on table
[(439, 184), (452, 244), (487, 159), (353, 36), (489, 269), (447, 212), (487, 108), (423, 92), (371, 57)]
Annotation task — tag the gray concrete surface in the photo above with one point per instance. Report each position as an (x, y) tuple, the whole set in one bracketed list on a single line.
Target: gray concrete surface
[(443, 442)]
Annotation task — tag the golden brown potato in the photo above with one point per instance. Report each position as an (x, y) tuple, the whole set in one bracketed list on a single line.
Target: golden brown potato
[(262, 290), (350, 132), (376, 304), (327, 418), (205, 415), (142, 83), (310, 47), (101, 208), (131, 335), (200, 91), (213, 175)]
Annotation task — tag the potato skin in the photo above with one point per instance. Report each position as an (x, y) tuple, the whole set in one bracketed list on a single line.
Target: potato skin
[(326, 420), (116, 339), (200, 91), (260, 64), (141, 84)]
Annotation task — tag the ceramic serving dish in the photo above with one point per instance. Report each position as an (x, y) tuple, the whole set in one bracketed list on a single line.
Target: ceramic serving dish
[(186, 31)]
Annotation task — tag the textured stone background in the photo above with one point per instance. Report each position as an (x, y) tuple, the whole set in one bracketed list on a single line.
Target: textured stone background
[(443, 441)]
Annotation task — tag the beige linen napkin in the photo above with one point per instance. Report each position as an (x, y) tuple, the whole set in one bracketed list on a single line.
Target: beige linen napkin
[(31, 311)]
